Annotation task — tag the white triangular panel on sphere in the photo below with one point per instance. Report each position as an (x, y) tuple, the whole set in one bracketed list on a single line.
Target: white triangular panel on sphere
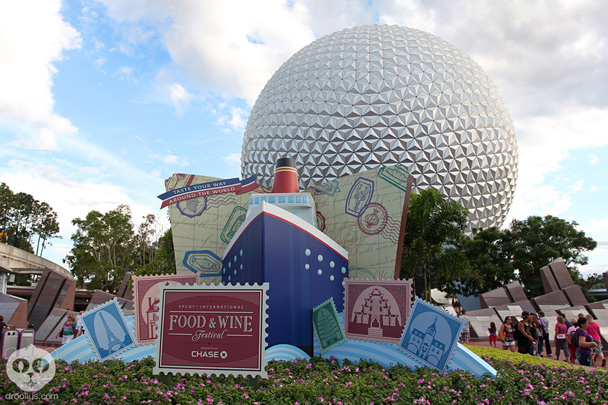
[(373, 95)]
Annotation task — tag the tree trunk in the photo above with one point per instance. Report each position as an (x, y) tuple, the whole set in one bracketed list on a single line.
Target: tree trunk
[(426, 283)]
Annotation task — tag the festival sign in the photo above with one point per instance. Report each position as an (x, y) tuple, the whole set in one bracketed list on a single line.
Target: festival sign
[(210, 329), (145, 296), (376, 310)]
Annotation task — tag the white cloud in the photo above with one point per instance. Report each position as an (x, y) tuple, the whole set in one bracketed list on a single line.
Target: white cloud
[(577, 187), (233, 161), (33, 36), (98, 44), (544, 142), (596, 228), (594, 159), (539, 59), (179, 97), (71, 198), (235, 120), (170, 90), (44, 141), (171, 159), (213, 42), (537, 200), (126, 73)]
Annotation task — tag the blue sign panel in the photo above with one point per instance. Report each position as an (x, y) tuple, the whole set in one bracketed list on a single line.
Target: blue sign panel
[(107, 330), (431, 335)]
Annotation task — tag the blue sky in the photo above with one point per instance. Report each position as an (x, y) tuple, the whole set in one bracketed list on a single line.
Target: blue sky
[(100, 101)]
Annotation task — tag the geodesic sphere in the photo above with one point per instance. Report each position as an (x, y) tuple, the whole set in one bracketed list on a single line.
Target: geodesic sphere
[(379, 95)]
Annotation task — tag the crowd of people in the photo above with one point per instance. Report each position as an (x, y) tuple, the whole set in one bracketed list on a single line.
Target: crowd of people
[(578, 339)]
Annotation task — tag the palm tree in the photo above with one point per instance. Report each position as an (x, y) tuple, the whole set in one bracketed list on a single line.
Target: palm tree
[(434, 223)]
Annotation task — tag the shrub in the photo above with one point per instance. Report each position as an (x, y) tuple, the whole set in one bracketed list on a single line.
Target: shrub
[(320, 381)]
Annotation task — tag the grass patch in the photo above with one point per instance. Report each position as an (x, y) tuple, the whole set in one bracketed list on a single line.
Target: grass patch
[(517, 358)]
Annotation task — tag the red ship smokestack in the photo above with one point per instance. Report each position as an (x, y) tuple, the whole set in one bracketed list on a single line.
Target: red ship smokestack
[(285, 176)]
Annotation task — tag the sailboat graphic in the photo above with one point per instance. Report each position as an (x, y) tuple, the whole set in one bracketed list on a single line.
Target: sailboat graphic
[(109, 332)]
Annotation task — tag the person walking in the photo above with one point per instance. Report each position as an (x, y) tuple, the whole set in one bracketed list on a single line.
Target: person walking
[(492, 334), (68, 331), (571, 331), (525, 340), (561, 338), (507, 334), (2, 327), (568, 323), (594, 330), (80, 325), (537, 335), (585, 343), (544, 321), (466, 330)]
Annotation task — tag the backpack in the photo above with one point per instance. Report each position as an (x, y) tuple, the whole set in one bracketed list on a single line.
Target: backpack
[(517, 335), (542, 327), (573, 339)]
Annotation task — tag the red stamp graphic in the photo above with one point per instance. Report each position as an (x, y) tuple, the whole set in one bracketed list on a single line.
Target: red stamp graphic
[(212, 330), (145, 295), (373, 220), (376, 310)]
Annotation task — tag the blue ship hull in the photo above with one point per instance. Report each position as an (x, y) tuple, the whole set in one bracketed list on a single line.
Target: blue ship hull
[(302, 265)]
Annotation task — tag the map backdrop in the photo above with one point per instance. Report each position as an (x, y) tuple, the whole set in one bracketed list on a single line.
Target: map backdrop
[(365, 213)]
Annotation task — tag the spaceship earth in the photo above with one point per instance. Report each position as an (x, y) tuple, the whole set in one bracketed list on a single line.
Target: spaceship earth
[(379, 95)]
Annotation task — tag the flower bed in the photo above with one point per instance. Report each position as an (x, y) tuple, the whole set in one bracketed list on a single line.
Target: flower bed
[(325, 381)]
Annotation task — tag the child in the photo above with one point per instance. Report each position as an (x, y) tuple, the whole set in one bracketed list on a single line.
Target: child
[(492, 336)]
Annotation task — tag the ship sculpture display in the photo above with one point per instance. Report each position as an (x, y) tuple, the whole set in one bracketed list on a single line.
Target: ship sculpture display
[(279, 243)]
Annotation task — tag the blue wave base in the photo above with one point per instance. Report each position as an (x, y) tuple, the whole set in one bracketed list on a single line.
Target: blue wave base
[(388, 355)]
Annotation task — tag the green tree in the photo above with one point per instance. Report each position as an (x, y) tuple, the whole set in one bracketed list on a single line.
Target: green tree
[(25, 220), (520, 251), (430, 255), (535, 242), (104, 249), (164, 258), (486, 256), (147, 239), (593, 281)]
